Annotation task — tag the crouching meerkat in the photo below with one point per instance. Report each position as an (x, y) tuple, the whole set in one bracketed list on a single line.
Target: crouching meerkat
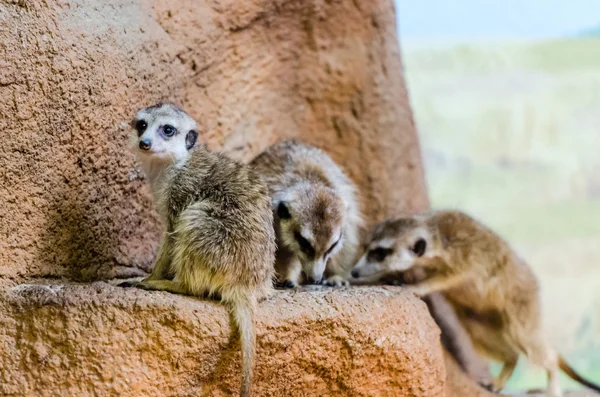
[(316, 214), (219, 238), (493, 291)]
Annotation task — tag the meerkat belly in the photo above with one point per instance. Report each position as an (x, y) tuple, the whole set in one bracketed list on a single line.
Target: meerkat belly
[(472, 300), (483, 318)]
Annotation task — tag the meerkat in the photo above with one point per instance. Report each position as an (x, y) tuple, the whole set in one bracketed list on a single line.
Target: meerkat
[(316, 214), (219, 238), (493, 291)]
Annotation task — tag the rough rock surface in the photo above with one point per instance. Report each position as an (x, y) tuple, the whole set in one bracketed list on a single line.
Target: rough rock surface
[(74, 205), (77, 340), (73, 72)]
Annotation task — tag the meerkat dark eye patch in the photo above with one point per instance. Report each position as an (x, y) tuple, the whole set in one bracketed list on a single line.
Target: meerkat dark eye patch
[(378, 254), (140, 126), (419, 247), (305, 245), (190, 139), (169, 130), (283, 212), (333, 246)]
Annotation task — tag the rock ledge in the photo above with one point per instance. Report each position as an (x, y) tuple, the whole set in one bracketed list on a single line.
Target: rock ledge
[(77, 340)]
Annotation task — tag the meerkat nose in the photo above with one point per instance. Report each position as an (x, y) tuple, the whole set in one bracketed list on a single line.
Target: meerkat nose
[(355, 273), (145, 144)]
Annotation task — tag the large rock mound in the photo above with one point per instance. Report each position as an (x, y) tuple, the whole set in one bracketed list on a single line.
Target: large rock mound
[(251, 72)]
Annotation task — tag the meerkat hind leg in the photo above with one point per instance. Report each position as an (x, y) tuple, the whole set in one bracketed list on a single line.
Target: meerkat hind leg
[(507, 370), (162, 267), (553, 384), (541, 354)]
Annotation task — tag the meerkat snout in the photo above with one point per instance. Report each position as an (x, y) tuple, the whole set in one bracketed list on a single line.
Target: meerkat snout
[(145, 144)]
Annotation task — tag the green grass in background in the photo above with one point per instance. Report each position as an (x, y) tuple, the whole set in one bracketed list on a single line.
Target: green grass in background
[(510, 132)]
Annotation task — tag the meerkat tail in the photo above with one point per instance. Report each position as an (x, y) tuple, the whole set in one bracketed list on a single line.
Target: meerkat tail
[(567, 369), (243, 316)]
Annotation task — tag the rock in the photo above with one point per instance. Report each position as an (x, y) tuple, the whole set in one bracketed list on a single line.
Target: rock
[(79, 340), (73, 202)]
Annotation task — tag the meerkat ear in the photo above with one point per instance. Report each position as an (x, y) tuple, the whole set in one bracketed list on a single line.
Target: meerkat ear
[(190, 139), (283, 211), (420, 247)]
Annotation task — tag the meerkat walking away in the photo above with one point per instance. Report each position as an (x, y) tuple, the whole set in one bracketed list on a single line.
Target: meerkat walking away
[(316, 214), (219, 238), (493, 291)]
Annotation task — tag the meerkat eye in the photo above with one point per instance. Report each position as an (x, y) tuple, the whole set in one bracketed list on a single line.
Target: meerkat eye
[(378, 254), (419, 247), (305, 245), (283, 212), (169, 130), (333, 246), (190, 139), (141, 126)]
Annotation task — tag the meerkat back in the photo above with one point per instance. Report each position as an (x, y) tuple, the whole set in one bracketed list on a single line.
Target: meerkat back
[(316, 214)]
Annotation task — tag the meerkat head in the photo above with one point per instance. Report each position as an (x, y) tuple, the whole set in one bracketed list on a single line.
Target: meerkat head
[(310, 220), (164, 133), (395, 245)]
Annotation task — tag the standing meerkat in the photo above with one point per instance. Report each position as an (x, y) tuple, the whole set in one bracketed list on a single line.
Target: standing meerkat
[(219, 238), (493, 291), (316, 214)]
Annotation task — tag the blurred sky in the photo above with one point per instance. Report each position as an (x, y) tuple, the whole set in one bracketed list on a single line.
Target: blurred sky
[(493, 19)]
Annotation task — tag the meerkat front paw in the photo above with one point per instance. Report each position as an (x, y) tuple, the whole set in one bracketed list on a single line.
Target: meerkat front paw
[(136, 284), (286, 284), (336, 281)]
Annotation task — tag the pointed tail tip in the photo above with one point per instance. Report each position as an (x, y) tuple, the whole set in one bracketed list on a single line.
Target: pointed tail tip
[(567, 369)]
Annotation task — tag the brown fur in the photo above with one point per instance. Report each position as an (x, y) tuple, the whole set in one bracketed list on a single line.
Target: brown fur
[(219, 238), (493, 291), (322, 206)]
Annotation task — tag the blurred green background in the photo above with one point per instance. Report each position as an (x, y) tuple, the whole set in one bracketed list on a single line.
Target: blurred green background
[(510, 132)]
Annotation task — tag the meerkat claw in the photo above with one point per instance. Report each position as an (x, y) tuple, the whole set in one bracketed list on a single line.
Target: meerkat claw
[(286, 284)]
